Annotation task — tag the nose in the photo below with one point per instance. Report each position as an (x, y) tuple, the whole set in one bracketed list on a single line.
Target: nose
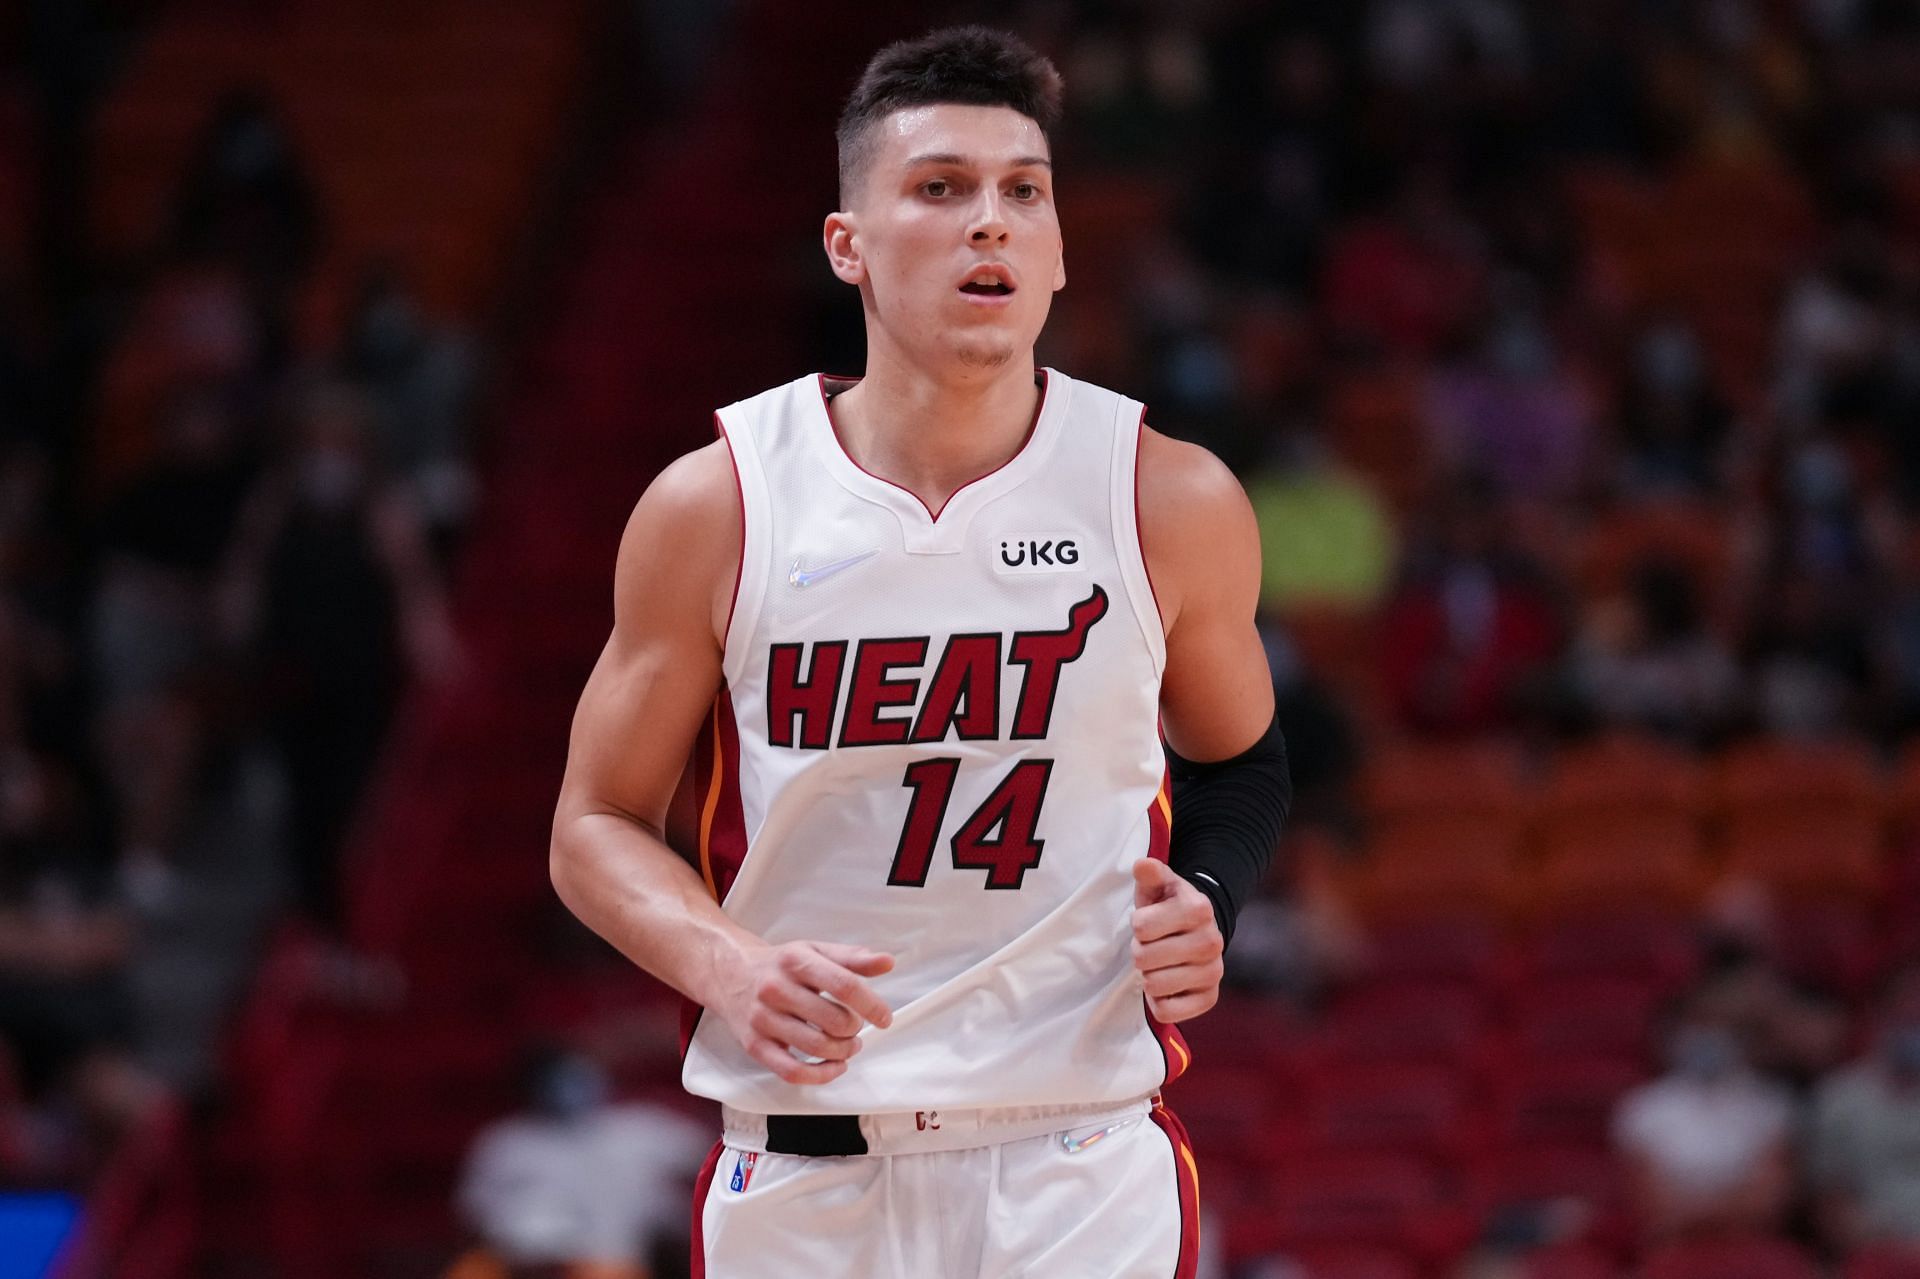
[(988, 225)]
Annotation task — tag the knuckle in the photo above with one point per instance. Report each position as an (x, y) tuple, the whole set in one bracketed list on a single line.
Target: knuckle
[(790, 960)]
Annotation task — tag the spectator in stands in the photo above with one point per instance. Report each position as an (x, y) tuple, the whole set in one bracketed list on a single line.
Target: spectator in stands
[(1790, 1028), (199, 322), (160, 541), (1406, 281), (1648, 662), (1865, 1148), (1326, 538), (1512, 410), (331, 587), (1142, 85), (1832, 347), (576, 1180), (1706, 1146), (66, 1020), (417, 377), (1264, 207), (246, 191), (1810, 636), (1472, 623), (1674, 428)]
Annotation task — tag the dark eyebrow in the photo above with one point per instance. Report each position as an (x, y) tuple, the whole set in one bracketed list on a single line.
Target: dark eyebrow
[(948, 157)]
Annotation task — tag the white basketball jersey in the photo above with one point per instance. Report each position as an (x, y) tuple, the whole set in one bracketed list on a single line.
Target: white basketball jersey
[(939, 738)]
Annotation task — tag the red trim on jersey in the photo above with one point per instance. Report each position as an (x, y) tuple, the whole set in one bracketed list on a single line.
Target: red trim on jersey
[(701, 1186), (723, 823), (740, 564), (1173, 1045), (820, 380), (722, 845), (1140, 534), (1186, 1172)]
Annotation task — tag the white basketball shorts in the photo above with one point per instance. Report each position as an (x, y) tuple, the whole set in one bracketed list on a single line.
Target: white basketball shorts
[(1065, 1192)]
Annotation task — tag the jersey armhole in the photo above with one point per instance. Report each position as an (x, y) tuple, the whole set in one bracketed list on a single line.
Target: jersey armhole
[(1128, 546), (750, 580)]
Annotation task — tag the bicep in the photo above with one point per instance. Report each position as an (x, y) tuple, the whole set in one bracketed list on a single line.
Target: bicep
[(1216, 695), (656, 678)]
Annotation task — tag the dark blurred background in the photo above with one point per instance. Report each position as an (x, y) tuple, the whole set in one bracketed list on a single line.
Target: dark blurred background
[(1570, 354)]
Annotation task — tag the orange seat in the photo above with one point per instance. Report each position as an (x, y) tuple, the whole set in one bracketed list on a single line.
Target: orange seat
[(1562, 1101), (1650, 859), (1807, 854), (1695, 539), (1447, 862), (1774, 775), (1479, 780), (1401, 1106), (1622, 773)]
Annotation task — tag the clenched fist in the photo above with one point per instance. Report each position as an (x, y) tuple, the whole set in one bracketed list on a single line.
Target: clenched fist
[(1176, 943)]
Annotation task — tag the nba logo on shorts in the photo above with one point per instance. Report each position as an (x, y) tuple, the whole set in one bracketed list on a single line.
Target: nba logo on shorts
[(743, 1170)]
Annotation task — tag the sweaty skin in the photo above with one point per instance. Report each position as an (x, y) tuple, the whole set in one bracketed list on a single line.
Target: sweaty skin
[(949, 189)]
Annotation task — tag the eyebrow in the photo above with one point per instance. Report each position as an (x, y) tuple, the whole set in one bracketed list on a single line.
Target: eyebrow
[(948, 157)]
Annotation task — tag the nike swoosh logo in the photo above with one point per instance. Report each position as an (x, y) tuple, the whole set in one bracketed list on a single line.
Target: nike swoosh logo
[(808, 576)]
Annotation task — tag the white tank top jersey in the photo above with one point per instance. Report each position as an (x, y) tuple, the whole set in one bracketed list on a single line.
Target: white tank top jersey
[(939, 738)]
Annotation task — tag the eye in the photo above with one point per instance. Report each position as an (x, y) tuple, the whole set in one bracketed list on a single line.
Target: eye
[(1025, 191), (936, 188)]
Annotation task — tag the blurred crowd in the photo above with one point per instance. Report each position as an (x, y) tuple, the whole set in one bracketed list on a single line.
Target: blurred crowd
[(222, 548), (1407, 202), (1570, 355)]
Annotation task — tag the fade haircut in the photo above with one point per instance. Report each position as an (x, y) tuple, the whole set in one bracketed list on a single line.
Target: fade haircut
[(971, 66)]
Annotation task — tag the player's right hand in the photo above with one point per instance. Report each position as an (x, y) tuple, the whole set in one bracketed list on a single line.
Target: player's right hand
[(807, 997)]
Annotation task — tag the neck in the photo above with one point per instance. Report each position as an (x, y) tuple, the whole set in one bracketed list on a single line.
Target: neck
[(929, 434)]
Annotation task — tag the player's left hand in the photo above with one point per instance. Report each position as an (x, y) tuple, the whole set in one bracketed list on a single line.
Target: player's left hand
[(1176, 943)]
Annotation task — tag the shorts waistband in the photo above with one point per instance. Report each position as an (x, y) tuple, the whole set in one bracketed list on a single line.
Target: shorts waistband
[(914, 1131)]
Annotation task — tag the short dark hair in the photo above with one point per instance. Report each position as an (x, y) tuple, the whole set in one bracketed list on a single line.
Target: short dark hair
[(972, 66)]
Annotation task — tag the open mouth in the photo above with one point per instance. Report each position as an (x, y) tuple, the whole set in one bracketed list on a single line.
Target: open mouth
[(990, 290)]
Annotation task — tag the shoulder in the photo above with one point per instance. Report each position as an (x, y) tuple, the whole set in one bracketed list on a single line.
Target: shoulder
[(1196, 525), (1176, 473), (683, 540)]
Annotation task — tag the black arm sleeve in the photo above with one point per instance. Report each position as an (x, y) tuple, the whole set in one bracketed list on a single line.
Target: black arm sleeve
[(1227, 818)]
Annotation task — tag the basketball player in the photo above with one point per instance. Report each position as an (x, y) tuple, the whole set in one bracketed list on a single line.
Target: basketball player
[(921, 632)]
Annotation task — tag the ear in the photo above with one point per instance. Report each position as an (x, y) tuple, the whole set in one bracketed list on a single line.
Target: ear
[(1060, 270), (843, 248)]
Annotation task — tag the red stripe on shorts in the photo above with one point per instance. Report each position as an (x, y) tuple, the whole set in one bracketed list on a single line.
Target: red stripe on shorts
[(1187, 1174), (701, 1185)]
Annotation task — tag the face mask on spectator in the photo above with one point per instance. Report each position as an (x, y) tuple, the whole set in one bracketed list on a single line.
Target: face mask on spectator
[(1705, 1053), (329, 479), (1902, 1047), (571, 1088)]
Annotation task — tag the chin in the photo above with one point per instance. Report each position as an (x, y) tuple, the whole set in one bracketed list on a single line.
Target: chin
[(984, 355)]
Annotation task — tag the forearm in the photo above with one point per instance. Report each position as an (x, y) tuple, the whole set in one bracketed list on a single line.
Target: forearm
[(1227, 819), (622, 881)]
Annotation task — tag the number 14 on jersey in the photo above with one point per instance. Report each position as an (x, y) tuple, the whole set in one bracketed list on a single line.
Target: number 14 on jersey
[(998, 838)]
